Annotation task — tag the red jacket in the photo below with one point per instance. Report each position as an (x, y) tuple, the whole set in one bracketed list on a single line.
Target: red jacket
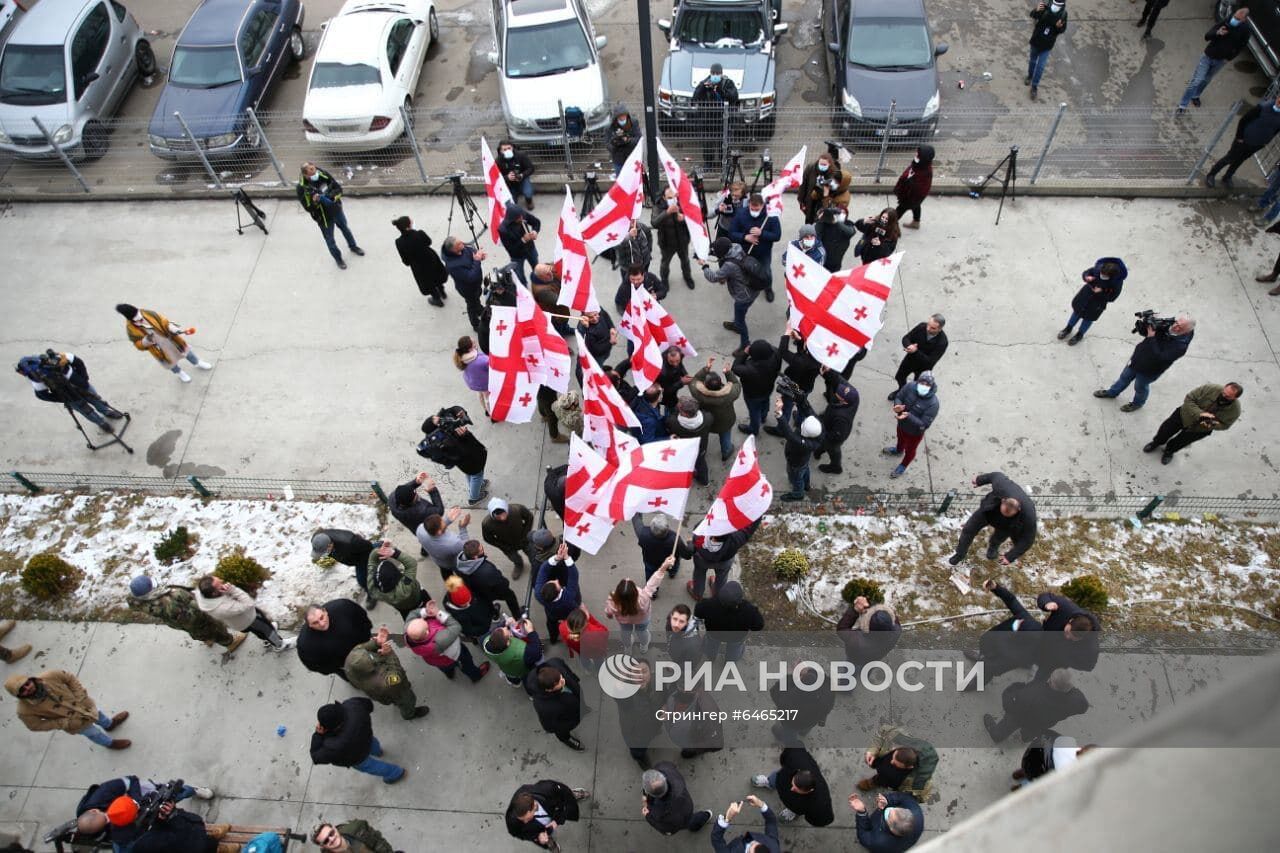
[(595, 636)]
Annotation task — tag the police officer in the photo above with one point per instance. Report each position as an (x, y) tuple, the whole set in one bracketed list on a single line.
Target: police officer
[(374, 669)]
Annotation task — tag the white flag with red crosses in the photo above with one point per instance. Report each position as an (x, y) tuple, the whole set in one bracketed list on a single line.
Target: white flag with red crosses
[(571, 262), (686, 202), (587, 474), (512, 388), (608, 223), (788, 178), (545, 353), (744, 497), (646, 357), (837, 313), (602, 405), (495, 188)]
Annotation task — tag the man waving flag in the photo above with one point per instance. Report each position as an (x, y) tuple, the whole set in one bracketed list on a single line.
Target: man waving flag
[(786, 179), (646, 357), (744, 498), (838, 313), (571, 262), (608, 223), (687, 201)]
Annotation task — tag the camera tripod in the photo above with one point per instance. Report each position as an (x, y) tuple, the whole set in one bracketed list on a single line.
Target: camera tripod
[(1008, 182), (255, 214), (695, 177), (733, 169), (461, 200), (590, 193), (765, 170), (117, 432)]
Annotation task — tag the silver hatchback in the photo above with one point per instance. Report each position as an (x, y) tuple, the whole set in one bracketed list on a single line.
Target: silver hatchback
[(68, 64)]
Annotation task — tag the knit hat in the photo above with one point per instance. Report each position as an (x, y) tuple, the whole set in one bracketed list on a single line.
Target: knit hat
[(720, 247), (846, 392), (330, 716), (498, 505), (387, 575), (926, 378), (320, 545), (881, 621), (808, 231), (140, 586), (459, 595), (811, 427), (730, 594), (542, 538), (403, 496), (126, 311), (925, 152), (122, 811)]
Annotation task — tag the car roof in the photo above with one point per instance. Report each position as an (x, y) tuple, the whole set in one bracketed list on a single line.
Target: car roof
[(216, 22), (529, 13), (49, 22), (888, 8), (355, 35)]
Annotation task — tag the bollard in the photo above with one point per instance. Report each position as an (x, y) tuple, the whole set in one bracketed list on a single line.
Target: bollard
[(946, 502), (1048, 140), (884, 142), (199, 486), (266, 143), (195, 144), (1213, 143), (26, 484), (1146, 511), (413, 142), (377, 490), (62, 155)]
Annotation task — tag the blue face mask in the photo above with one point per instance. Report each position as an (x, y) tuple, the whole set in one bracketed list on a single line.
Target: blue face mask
[(1275, 107), (822, 167), (1234, 22), (715, 78), (923, 390)]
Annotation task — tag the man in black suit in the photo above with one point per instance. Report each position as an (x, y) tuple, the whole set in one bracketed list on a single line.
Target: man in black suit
[(923, 347), (536, 811), (557, 697), (1009, 511), (747, 842)]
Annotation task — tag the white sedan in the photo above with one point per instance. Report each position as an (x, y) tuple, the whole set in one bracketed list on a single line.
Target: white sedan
[(365, 69)]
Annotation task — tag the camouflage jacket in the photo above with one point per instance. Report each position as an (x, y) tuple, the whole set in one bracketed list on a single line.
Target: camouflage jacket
[(177, 608)]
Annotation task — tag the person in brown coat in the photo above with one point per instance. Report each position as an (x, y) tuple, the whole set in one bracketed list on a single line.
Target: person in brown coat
[(55, 699), (151, 331), (716, 392), (914, 184), (823, 186), (10, 655)]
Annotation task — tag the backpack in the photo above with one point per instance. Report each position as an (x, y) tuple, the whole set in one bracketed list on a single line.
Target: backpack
[(267, 842), (438, 447), (575, 123), (754, 272)]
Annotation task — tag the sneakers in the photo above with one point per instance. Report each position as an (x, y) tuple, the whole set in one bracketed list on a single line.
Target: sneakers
[(891, 450), (575, 744), (285, 645), (356, 250), (182, 374), (120, 743), (580, 793), (1130, 407), (204, 365), (786, 815), (897, 472), (830, 469), (760, 781), (203, 793), (116, 721), (773, 430), (954, 559)]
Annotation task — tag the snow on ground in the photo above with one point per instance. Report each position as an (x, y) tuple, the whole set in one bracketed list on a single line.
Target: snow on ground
[(110, 538)]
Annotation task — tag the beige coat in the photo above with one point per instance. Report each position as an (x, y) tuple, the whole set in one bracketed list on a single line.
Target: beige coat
[(66, 705), (234, 608)]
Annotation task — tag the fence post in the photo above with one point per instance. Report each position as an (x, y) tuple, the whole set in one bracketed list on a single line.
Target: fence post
[(62, 155), (199, 151), (266, 143), (726, 144), (564, 135), (199, 486), (1213, 143), (884, 143), (1146, 511), (946, 502), (377, 490), (26, 484), (1048, 140), (413, 142)]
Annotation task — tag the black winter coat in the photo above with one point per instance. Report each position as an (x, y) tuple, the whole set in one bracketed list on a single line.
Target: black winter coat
[(837, 420), (1154, 355), (182, 832), (416, 253), (1022, 527), (815, 806), (758, 374), (1037, 707), (350, 744), (553, 486), (467, 273), (519, 163), (655, 549), (673, 235), (730, 545), (557, 801), (928, 352), (559, 712), (835, 238), (1226, 46), (596, 337), (732, 623), (812, 707), (798, 450), (418, 511), (511, 232), (1057, 652), (801, 367), (701, 433), (671, 812), (870, 253), (326, 652), (1090, 305), (349, 548)]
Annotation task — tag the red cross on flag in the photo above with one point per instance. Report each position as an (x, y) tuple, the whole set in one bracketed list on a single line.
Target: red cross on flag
[(687, 202), (653, 477), (512, 388), (744, 497), (837, 313), (571, 261), (665, 330), (788, 178), (588, 472), (602, 405), (608, 223), (545, 352), (495, 188), (646, 357)]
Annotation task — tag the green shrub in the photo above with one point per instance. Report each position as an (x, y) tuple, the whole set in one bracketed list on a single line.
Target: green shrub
[(865, 587), (47, 576), (175, 546), (790, 565), (242, 571), (1087, 591)]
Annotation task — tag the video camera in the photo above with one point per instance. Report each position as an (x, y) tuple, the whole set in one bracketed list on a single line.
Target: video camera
[(499, 286), (789, 389), (149, 806), (1148, 320), (50, 369), (441, 440)]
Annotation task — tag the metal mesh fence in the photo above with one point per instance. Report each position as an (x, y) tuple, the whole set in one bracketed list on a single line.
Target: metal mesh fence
[(1058, 146), (229, 487)]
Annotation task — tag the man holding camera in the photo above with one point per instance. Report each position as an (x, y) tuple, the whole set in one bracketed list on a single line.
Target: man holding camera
[(60, 377), (321, 197), (459, 448), (1205, 410), (1164, 343)]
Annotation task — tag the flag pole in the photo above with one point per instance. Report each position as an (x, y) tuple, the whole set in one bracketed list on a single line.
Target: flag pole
[(565, 317), (679, 527)]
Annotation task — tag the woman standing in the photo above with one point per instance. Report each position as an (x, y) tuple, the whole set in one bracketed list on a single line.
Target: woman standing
[(880, 235), (914, 185), (151, 331), (915, 406), (415, 251), (474, 366), (1102, 284), (630, 605)]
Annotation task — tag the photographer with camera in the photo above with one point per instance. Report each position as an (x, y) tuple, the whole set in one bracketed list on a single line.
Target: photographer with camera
[(517, 171), (120, 798), (1165, 340), (321, 197), (462, 262), (1102, 285), (1205, 410), (450, 443), (623, 136), (880, 233), (155, 825), (60, 377), (823, 185), (734, 197)]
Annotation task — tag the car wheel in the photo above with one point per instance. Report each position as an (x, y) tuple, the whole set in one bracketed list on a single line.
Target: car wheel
[(145, 58), (433, 25), (764, 129), (94, 140), (297, 45)]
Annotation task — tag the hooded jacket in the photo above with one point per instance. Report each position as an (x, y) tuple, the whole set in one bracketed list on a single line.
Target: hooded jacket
[(729, 614), (350, 743), (717, 404), (1090, 305), (837, 420), (920, 411), (622, 137), (326, 651), (917, 179), (445, 548), (511, 232), (63, 703), (486, 582), (512, 532), (732, 274), (757, 366)]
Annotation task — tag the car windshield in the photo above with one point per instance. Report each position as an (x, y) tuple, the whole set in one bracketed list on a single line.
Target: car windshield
[(33, 75), (332, 75), (204, 67), (889, 44), (547, 49), (720, 27)]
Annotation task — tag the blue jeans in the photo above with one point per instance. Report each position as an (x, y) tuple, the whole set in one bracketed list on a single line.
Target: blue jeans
[(97, 732), (371, 765), (89, 404), (190, 356), (1036, 62), (726, 443), (1206, 68), (757, 412), (732, 651), (1141, 385), (526, 188), (530, 255), (740, 310), (773, 780), (1084, 324), (475, 485), (339, 218), (799, 478), (634, 634)]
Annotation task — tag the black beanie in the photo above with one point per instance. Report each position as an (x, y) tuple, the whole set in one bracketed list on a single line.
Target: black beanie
[(126, 310), (330, 716)]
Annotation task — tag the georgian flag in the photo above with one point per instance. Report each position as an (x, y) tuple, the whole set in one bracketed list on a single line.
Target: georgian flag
[(646, 357), (665, 330), (838, 313), (653, 477), (687, 202), (588, 472), (599, 397), (495, 188), (787, 179), (608, 223), (571, 261), (545, 353), (744, 497), (512, 389)]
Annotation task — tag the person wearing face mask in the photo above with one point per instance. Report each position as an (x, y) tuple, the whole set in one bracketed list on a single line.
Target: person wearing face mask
[(823, 185), (713, 99), (1256, 129), (756, 230), (623, 136), (880, 235), (636, 250), (673, 238), (1048, 22), (321, 197), (1204, 411), (914, 407), (807, 242), (1225, 41), (518, 233), (734, 197), (689, 421), (835, 233), (913, 186), (517, 171)]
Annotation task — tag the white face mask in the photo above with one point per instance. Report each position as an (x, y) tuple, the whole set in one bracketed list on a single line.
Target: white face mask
[(807, 243), (755, 213), (839, 217), (508, 153), (923, 390), (671, 202), (712, 545), (1055, 7), (314, 177)]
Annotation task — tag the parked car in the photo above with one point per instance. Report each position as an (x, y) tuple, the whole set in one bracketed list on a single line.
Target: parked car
[(366, 67), (881, 52), (226, 58), (70, 64), (741, 35), (10, 14), (547, 54)]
